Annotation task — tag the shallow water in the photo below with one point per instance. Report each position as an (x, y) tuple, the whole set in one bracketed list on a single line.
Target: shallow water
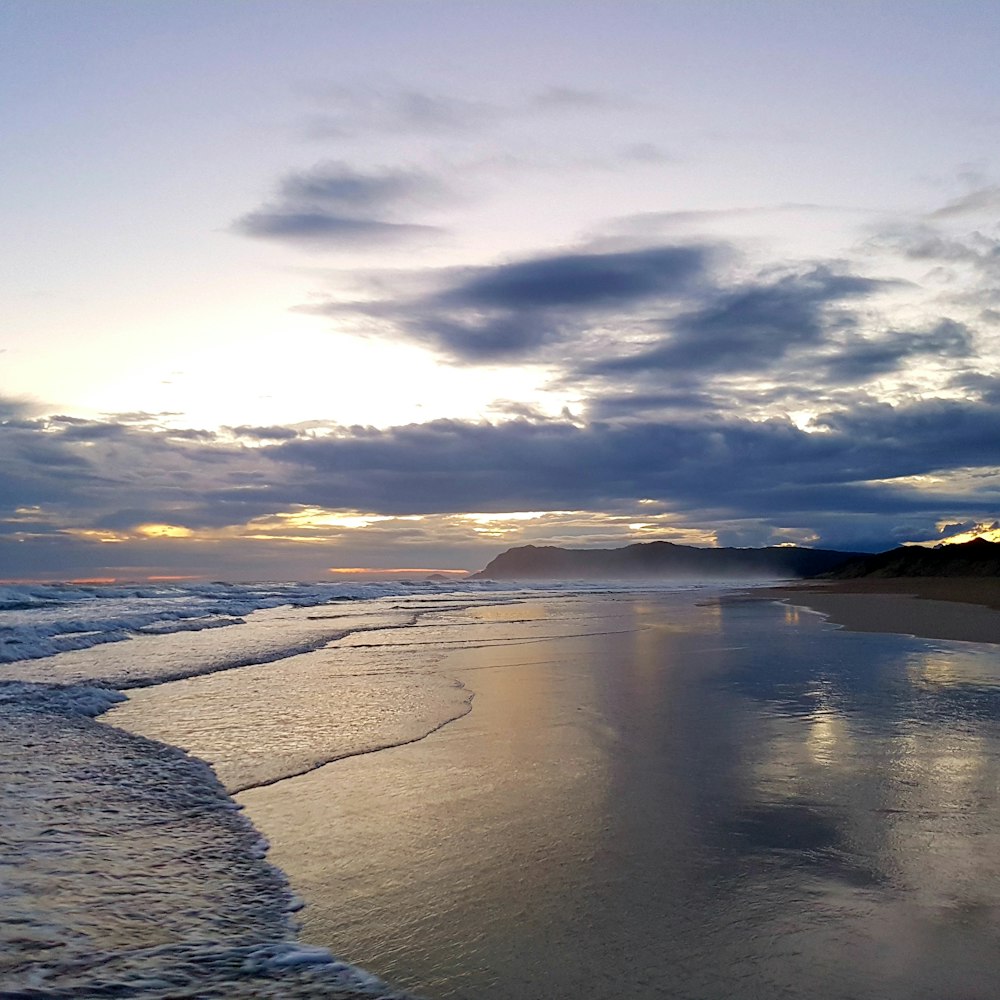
[(653, 795), (126, 870), (733, 799)]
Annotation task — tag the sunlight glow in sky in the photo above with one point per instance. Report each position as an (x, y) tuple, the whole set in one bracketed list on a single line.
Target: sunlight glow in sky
[(311, 284)]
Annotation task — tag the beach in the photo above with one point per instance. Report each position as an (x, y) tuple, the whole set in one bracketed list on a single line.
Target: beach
[(962, 608), (713, 797), (694, 791)]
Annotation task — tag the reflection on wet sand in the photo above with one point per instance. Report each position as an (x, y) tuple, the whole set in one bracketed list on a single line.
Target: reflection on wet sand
[(702, 800)]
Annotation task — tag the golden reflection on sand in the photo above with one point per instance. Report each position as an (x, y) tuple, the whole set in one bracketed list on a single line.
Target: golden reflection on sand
[(826, 737), (953, 667)]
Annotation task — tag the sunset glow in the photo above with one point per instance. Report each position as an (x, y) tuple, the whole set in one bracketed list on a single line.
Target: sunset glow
[(396, 286)]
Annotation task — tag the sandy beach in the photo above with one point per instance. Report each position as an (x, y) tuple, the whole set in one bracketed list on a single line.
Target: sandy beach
[(656, 791), (961, 608)]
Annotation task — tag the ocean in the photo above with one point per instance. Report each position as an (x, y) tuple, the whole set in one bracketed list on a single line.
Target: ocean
[(317, 790)]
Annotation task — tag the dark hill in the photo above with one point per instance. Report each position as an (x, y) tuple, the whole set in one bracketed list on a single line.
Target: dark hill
[(976, 558), (661, 559)]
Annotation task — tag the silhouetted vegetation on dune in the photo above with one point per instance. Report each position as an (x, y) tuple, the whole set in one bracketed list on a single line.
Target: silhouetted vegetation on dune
[(976, 558)]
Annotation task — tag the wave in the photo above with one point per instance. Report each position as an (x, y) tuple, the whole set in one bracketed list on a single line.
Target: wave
[(41, 620), (116, 844)]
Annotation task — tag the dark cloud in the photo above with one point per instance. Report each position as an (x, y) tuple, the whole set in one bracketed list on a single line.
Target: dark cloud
[(865, 357), (659, 329), (334, 205), (578, 281), (263, 433), (744, 466), (843, 481), (337, 186), (631, 405), (323, 229), (90, 430), (517, 311), (750, 328)]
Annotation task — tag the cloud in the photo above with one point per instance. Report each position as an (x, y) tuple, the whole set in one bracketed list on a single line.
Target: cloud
[(613, 405), (335, 185), (579, 280), (323, 229), (863, 358), (964, 268), (517, 311), (738, 465), (272, 433), (749, 328), (334, 205), (863, 474), (350, 111), (359, 110), (652, 225), (663, 329), (928, 243), (983, 200)]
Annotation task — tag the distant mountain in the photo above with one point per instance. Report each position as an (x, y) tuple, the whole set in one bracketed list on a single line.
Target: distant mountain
[(661, 559), (976, 558)]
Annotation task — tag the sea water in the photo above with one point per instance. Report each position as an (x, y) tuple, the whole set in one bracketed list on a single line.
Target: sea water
[(692, 797), (620, 793), (126, 867)]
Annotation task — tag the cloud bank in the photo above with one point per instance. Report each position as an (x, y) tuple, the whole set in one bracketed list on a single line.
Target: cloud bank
[(115, 493)]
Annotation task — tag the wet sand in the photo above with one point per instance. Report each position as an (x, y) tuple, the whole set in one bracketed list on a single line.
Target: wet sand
[(701, 797), (962, 608)]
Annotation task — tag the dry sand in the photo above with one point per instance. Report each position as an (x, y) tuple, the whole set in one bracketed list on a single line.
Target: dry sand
[(963, 608)]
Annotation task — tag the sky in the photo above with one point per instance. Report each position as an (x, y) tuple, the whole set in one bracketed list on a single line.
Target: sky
[(293, 287)]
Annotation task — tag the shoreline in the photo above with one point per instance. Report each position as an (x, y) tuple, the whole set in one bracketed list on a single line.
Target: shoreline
[(963, 609)]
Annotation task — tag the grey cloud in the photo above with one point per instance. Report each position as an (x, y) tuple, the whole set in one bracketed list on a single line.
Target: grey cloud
[(263, 433), (335, 205), (519, 310), (866, 357), (647, 224), (984, 199), (91, 431), (976, 384), (927, 243), (706, 471), (335, 185), (749, 329), (579, 280), (323, 229), (356, 110), (631, 405), (651, 321), (351, 111)]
